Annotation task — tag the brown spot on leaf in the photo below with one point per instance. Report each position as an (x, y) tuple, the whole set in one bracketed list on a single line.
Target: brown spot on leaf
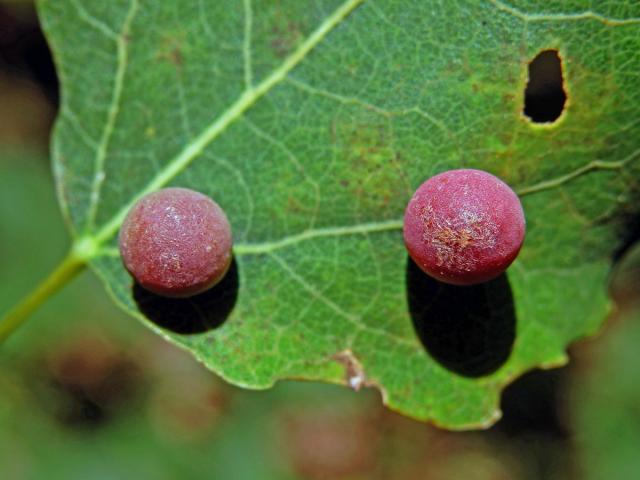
[(285, 36), (295, 206), (354, 373), (372, 169), (355, 376), (171, 50)]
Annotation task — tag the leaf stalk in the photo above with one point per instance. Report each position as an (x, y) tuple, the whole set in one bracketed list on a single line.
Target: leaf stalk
[(70, 267)]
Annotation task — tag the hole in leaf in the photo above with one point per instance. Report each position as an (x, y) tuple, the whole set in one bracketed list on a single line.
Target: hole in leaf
[(544, 96), (469, 330), (196, 314)]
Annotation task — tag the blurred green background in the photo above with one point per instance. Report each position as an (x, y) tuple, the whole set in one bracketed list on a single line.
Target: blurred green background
[(87, 393)]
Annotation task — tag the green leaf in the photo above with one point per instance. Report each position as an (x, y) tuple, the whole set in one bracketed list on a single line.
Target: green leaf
[(311, 123)]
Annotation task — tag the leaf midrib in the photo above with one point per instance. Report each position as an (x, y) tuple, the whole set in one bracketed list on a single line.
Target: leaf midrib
[(246, 100)]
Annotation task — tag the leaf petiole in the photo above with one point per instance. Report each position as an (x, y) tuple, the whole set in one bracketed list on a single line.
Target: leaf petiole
[(71, 266)]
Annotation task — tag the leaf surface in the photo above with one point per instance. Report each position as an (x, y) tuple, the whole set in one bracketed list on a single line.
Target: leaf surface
[(311, 124)]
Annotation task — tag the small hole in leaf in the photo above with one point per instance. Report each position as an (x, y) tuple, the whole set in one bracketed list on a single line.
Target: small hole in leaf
[(544, 96)]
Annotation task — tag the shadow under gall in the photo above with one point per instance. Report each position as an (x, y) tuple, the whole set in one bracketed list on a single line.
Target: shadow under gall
[(196, 314), (469, 330)]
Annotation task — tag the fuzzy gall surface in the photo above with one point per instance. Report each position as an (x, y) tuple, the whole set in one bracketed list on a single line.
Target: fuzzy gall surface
[(176, 242), (464, 226)]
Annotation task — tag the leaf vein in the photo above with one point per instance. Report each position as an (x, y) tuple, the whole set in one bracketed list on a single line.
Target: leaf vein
[(75, 124), (541, 17), (295, 162), (246, 47), (245, 188), (112, 115), (589, 167), (98, 25), (315, 293), (363, 228), (369, 106)]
